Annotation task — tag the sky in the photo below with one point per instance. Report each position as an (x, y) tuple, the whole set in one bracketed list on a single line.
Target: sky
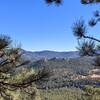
[(38, 26)]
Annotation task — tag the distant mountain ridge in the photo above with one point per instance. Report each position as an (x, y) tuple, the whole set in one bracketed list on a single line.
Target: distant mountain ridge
[(49, 54)]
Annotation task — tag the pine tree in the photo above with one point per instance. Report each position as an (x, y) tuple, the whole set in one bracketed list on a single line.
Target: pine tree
[(54, 1), (10, 61), (80, 31), (90, 1), (82, 1)]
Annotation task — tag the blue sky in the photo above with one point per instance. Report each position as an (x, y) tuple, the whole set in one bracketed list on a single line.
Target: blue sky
[(41, 27)]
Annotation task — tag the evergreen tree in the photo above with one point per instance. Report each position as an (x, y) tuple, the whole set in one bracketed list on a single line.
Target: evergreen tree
[(55, 1), (82, 1), (10, 61), (80, 31), (90, 1)]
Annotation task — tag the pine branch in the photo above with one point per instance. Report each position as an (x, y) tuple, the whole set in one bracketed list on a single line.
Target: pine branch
[(92, 38)]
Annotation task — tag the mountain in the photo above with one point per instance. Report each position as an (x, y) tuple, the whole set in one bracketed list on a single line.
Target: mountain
[(64, 67), (48, 54)]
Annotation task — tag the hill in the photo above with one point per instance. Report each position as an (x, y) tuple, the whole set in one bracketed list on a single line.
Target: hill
[(65, 71), (65, 67), (48, 54)]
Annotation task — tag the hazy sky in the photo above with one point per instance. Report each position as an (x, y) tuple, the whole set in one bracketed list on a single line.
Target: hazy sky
[(41, 27)]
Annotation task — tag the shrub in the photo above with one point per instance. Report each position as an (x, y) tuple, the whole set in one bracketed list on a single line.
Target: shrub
[(97, 61)]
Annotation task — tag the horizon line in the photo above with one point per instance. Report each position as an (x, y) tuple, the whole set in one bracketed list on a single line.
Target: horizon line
[(51, 50)]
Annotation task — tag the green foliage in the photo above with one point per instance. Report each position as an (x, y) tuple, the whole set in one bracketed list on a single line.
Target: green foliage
[(29, 93), (95, 20), (98, 47), (79, 29), (86, 48), (55, 1), (61, 94), (97, 61), (89, 1), (89, 93), (92, 93), (82, 1), (12, 83)]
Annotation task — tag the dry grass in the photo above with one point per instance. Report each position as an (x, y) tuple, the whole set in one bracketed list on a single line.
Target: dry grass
[(61, 94)]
